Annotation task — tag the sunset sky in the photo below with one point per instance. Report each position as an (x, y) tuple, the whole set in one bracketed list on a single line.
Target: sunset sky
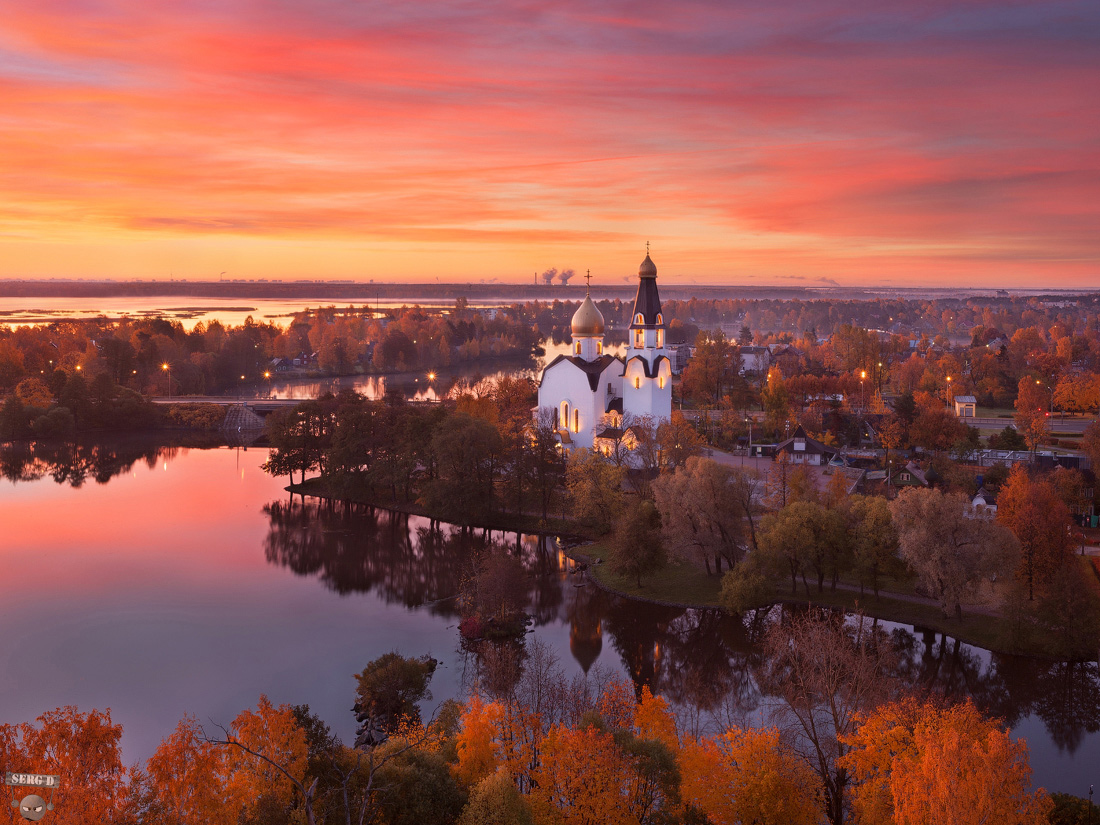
[(847, 141)]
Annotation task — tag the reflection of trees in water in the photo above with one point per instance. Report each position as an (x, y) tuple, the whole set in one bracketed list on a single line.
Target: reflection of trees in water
[(355, 548), (933, 664), (74, 463), (701, 660), (698, 659), (1068, 702), (1064, 695)]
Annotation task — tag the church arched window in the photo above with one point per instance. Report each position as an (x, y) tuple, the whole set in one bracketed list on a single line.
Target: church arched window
[(637, 382), (599, 348), (563, 416), (659, 321), (639, 339), (660, 336), (661, 382), (577, 348), (639, 319), (576, 421)]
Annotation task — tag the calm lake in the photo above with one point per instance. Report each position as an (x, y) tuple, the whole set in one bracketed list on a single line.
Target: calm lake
[(162, 581)]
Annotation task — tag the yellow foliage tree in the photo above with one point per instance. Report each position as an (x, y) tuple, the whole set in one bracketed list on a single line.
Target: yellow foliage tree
[(584, 779), (747, 776), (654, 720)]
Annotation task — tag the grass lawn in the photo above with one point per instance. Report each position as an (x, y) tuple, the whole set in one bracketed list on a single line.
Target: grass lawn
[(995, 412), (678, 583)]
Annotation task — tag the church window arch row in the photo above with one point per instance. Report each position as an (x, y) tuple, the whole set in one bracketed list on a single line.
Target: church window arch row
[(563, 415), (639, 319)]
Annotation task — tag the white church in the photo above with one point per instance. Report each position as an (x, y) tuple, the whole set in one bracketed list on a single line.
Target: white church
[(590, 390)]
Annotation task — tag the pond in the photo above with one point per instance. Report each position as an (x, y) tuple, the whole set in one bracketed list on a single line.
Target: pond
[(163, 580)]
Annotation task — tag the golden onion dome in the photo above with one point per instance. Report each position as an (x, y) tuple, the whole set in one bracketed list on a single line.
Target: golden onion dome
[(648, 269), (587, 320)]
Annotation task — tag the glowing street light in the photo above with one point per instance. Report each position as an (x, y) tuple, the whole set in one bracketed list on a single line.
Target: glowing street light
[(168, 368)]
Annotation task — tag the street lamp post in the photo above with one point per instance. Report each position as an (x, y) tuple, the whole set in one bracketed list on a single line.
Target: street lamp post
[(949, 390), (168, 368), (862, 400), (748, 420)]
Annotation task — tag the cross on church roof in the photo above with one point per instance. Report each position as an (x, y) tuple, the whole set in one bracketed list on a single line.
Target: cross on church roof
[(588, 281)]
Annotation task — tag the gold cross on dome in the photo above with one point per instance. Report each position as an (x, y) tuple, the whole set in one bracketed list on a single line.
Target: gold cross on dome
[(588, 280)]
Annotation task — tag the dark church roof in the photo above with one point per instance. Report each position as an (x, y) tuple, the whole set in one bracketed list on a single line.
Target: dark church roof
[(650, 372), (648, 302), (593, 369)]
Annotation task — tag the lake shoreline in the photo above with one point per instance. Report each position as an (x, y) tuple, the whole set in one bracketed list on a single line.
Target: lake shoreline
[(983, 629)]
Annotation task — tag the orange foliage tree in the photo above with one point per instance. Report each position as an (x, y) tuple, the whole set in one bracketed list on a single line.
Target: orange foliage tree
[(83, 750), (183, 780), (914, 763), (747, 776), (1039, 519)]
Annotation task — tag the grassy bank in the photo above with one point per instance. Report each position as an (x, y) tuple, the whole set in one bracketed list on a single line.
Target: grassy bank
[(687, 585)]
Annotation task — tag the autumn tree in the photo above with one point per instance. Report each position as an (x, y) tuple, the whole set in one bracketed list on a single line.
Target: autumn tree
[(1031, 412), (83, 749), (805, 535), (468, 451), (750, 776), (949, 552), (703, 509), (1039, 519), (1090, 442), (184, 780), (595, 487), (637, 548), (915, 763), (873, 537), (825, 671), (678, 441), (712, 369), (496, 801), (390, 688), (774, 397)]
